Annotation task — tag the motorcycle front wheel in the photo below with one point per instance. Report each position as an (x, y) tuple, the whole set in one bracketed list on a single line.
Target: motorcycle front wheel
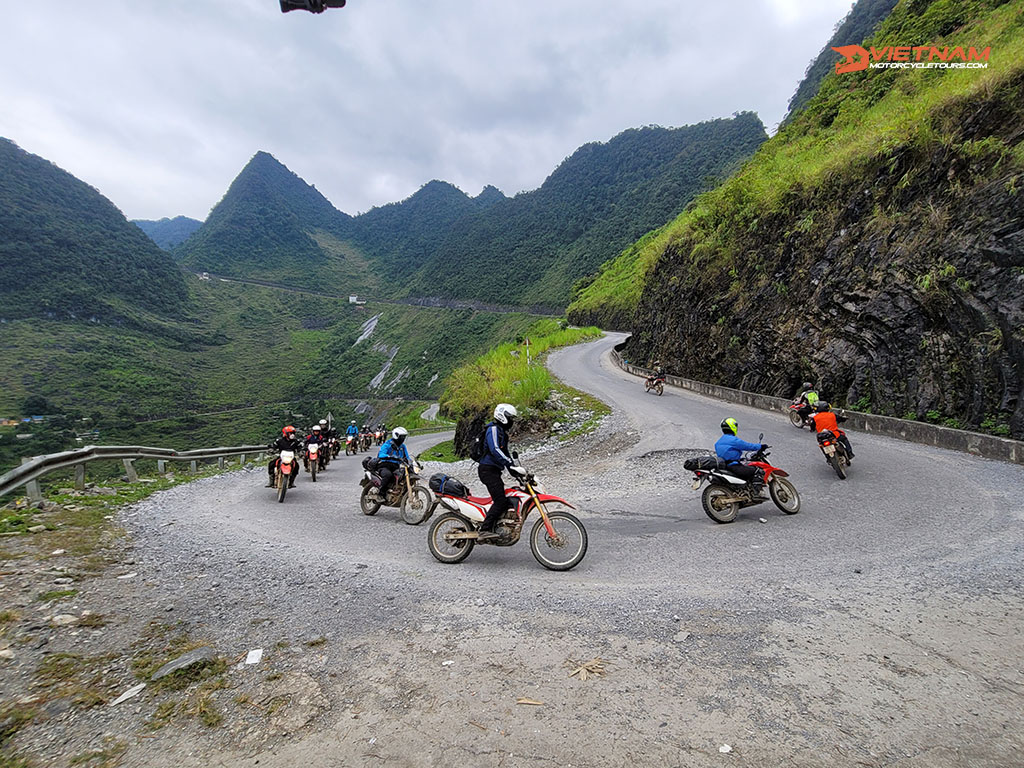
[(715, 506), (784, 495), (417, 507), (449, 551), (661, 389), (566, 549), (282, 487), (312, 470), (796, 419), (368, 506)]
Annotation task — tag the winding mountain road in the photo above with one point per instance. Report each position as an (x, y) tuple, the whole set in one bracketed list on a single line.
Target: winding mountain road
[(880, 626)]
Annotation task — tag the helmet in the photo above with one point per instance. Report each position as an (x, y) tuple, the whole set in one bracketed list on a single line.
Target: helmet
[(323, 422), (730, 427), (316, 427), (822, 406), (505, 413), (289, 430), (353, 421), (807, 385), (398, 434)]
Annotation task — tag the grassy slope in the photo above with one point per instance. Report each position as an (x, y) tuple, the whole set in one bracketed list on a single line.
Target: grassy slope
[(854, 118)]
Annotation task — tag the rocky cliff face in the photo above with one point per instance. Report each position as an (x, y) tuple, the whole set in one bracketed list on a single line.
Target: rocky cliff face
[(898, 287)]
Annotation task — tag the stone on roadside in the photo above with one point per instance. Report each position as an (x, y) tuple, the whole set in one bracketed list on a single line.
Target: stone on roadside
[(135, 690), (36, 528), (64, 620), (681, 636), (7, 654), (197, 656)]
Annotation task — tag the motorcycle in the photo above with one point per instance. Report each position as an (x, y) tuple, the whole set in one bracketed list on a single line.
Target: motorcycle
[(285, 468), (379, 437), (558, 539), (407, 493), (834, 452), (726, 494), (655, 384), (351, 445), (367, 441), (335, 447), (798, 419), (313, 460)]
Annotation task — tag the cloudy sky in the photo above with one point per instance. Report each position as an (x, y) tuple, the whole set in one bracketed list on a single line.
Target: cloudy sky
[(159, 103)]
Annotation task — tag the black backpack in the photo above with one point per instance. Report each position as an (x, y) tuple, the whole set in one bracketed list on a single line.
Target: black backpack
[(478, 448)]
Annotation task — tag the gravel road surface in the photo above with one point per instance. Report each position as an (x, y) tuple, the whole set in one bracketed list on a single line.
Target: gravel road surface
[(881, 626)]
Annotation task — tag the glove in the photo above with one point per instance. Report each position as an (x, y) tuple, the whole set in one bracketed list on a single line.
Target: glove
[(517, 471), (765, 446)]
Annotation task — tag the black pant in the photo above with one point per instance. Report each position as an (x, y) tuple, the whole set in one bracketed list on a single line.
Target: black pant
[(745, 471), (490, 476), (846, 443), (387, 475)]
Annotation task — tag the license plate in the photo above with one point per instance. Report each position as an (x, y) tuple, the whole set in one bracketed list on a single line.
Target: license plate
[(696, 483), (830, 450)]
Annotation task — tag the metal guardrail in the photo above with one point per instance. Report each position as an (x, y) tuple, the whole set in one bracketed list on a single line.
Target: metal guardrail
[(32, 469)]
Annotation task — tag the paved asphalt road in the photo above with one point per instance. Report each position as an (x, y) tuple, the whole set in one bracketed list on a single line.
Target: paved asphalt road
[(880, 626)]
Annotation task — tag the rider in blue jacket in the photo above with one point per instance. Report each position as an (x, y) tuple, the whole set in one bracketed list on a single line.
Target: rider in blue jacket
[(730, 448), (392, 455), (352, 430), (496, 459)]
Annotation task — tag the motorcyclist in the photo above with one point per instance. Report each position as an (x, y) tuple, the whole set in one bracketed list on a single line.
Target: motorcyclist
[(825, 418), (352, 430), (807, 397), (730, 448), (658, 372), (315, 436), (495, 459), (392, 455), (288, 441)]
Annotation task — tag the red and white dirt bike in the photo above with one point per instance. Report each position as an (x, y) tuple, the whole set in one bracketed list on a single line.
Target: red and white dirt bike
[(351, 445), (558, 539), (799, 413), (313, 459), (727, 494), (286, 467)]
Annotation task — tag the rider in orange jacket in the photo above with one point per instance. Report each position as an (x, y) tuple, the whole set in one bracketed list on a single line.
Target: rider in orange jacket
[(824, 418)]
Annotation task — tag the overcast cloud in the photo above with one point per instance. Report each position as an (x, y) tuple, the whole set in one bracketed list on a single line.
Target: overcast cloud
[(159, 103)]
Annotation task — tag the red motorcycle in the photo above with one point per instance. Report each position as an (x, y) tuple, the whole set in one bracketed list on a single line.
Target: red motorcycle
[(726, 494), (799, 414)]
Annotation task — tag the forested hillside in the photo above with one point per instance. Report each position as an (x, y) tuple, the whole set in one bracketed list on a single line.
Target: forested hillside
[(67, 251), (873, 246), (859, 24), (168, 233), (530, 249), (271, 225)]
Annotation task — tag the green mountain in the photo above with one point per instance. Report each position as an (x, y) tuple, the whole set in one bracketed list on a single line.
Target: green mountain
[(858, 25), (67, 251), (875, 245), (168, 233), (533, 247), (272, 226), (401, 236)]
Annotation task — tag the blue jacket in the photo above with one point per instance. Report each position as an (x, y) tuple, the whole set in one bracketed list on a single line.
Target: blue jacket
[(496, 441), (352, 430), (730, 448), (395, 454)]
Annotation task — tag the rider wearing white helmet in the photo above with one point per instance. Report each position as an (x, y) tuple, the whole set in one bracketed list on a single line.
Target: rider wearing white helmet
[(495, 459), (391, 456)]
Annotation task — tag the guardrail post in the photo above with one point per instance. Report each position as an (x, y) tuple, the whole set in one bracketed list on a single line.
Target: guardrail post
[(32, 489), (129, 469), (195, 466), (220, 462), (79, 477), (161, 467), (241, 459)]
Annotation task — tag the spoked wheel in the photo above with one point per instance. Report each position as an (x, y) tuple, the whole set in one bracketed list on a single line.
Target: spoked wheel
[(838, 465), (660, 388), (796, 419), (366, 504), (784, 495), (568, 546), (449, 550), (282, 487), (715, 505), (417, 507), (312, 470)]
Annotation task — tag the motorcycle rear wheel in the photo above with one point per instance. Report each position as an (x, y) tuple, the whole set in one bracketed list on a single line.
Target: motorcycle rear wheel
[(564, 552), (449, 551), (417, 508), (717, 509), (365, 504), (660, 388), (796, 419), (837, 465), (784, 495)]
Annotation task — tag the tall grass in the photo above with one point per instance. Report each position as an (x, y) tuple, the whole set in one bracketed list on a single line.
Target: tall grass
[(504, 375)]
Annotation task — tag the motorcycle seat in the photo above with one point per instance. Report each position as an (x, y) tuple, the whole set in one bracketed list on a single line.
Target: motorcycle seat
[(483, 500)]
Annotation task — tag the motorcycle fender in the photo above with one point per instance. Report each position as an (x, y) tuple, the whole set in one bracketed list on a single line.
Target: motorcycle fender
[(549, 497), (780, 472), (286, 469)]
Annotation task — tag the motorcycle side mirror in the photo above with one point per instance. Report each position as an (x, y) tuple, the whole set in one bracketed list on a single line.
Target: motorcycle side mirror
[(515, 454), (760, 438)]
